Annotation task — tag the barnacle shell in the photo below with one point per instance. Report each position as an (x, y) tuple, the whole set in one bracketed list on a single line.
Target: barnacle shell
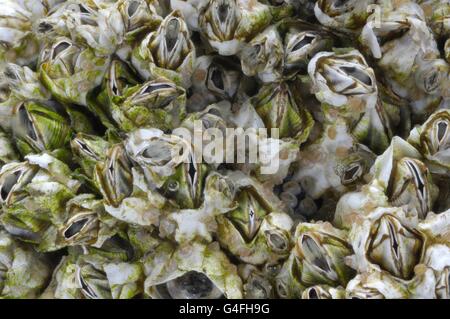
[(158, 103), (39, 128), (417, 75), (214, 79), (316, 259), (19, 43), (228, 24), (167, 52), (323, 292), (405, 178), (342, 14), (88, 150), (263, 56), (105, 273), (34, 196), (432, 139), (212, 149), (319, 250), (333, 161), (256, 283), (278, 107), (70, 71), (256, 230), (18, 261), (193, 271)]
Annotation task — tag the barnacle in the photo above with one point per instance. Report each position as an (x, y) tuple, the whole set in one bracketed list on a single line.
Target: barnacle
[(212, 149)]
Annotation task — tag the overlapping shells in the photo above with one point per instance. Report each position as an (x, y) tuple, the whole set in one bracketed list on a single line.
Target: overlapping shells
[(94, 93)]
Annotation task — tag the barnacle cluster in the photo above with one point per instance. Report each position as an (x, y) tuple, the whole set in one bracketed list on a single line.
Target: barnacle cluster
[(102, 196)]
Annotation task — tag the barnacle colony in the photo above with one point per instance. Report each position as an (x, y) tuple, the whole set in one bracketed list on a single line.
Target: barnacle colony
[(224, 149)]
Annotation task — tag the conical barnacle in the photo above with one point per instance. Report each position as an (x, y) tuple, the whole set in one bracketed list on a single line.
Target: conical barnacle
[(212, 149)]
